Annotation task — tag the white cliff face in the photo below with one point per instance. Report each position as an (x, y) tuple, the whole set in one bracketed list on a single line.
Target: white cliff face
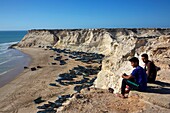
[(115, 64), (92, 40), (118, 45), (37, 38)]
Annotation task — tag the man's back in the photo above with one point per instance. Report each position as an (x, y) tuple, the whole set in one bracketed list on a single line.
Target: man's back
[(140, 77), (151, 71)]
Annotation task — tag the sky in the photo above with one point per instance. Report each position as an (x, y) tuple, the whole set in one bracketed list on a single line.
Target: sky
[(72, 14)]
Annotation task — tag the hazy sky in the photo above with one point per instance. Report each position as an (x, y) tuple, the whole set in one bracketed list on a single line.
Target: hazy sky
[(56, 14)]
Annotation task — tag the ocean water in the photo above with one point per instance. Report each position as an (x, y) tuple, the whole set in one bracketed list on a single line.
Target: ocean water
[(10, 59), (11, 36)]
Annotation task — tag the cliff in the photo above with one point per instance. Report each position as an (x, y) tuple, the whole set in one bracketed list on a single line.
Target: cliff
[(118, 45)]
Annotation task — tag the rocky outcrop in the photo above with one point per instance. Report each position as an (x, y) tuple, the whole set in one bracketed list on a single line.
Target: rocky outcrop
[(116, 63), (118, 45), (38, 38)]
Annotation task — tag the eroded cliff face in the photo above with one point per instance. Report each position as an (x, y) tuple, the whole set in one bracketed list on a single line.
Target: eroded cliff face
[(92, 40), (36, 38), (116, 63), (118, 45)]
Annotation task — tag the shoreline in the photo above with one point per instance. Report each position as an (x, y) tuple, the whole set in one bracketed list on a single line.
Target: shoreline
[(11, 74), (24, 88)]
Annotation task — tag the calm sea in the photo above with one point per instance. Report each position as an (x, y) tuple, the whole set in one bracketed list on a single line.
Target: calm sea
[(10, 59)]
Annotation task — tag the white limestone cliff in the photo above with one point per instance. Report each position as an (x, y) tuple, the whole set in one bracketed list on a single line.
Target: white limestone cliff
[(118, 45)]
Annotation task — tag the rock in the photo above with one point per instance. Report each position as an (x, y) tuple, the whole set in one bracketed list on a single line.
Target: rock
[(134, 94), (13, 46), (111, 90), (33, 69)]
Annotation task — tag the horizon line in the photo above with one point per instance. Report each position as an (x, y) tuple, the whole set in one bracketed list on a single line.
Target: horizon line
[(86, 28)]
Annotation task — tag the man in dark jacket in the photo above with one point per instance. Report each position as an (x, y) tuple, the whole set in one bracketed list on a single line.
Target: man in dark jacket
[(150, 68)]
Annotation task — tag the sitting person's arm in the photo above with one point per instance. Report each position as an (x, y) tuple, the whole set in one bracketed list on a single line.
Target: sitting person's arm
[(148, 71), (127, 76)]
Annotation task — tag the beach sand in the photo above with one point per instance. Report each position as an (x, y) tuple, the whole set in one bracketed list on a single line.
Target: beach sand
[(18, 96)]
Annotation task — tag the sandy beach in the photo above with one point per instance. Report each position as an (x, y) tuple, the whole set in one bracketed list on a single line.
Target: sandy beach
[(18, 96)]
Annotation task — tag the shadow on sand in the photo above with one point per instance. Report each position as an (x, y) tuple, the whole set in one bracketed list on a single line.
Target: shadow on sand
[(159, 87)]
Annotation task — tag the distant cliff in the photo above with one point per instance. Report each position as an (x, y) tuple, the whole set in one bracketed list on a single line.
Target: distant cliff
[(118, 45)]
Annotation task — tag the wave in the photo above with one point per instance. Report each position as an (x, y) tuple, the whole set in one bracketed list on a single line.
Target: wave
[(6, 72), (15, 57), (8, 43), (3, 52), (4, 46), (5, 61)]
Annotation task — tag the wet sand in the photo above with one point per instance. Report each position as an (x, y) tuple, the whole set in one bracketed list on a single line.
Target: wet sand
[(20, 63)]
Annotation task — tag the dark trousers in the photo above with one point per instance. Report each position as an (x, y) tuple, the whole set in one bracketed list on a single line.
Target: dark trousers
[(151, 80), (130, 83)]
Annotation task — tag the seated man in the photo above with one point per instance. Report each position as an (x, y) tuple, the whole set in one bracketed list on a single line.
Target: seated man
[(137, 80), (150, 68)]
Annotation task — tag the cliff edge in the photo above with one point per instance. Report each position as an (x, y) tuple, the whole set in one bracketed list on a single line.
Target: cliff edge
[(118, 45)]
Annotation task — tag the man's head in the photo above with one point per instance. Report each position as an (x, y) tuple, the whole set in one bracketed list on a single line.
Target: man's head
[(134, 61), (144, 58)]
